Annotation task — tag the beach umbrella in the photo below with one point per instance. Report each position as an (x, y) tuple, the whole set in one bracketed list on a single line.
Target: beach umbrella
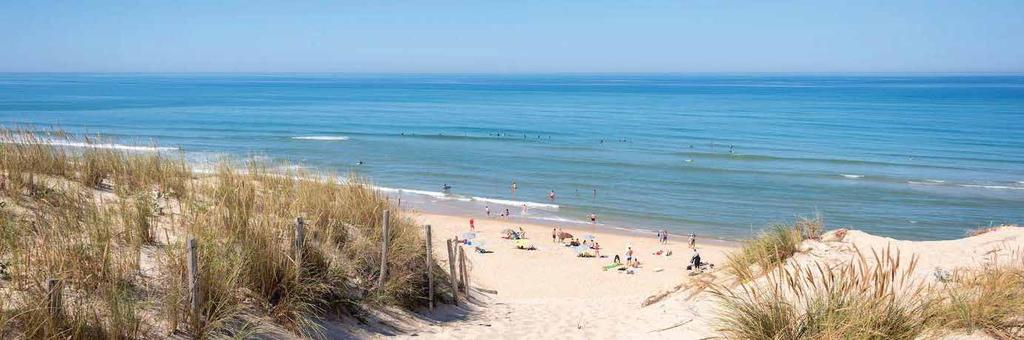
[(581, 249), (588, 237)]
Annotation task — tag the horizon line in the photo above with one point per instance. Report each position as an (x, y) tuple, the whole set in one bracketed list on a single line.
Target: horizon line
[(1001, 73)]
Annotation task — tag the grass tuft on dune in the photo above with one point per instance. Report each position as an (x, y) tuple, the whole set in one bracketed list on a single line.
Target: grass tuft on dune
[(870, 296)]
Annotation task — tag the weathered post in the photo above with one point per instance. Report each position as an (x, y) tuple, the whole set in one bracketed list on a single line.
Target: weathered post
[(55, 300), (384, 250), (300, 237), (195, 298), (465, 272), (430, 271), (462, 271), (451, 273)]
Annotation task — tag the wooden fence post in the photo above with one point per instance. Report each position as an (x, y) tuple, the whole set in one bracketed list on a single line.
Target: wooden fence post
[(451, 273), (55, 295), (195, 298), (384, 250), (430, 270), (462, 270), (300, 239)]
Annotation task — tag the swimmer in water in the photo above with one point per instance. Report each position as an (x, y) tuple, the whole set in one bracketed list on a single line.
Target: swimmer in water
[(551, 195)]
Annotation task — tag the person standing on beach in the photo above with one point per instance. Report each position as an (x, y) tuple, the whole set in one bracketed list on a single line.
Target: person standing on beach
[(659, 235), (472, 224), (664, 236), (508, 214), (487, 209), (524, 209), (554, 235), (693, 241)]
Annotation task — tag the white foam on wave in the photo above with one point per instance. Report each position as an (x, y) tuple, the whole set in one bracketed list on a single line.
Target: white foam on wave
[(322, 138), (852, 176), (433, 194), (444, 196), (925, 182), (93, 145), (561, 220), (517, 203), (997, 187)]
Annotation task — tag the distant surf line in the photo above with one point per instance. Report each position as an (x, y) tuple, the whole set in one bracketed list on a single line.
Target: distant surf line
[(322, 138), (93, 145)]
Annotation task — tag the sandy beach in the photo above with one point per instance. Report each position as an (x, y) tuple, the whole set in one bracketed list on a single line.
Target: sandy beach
[(551, 293)]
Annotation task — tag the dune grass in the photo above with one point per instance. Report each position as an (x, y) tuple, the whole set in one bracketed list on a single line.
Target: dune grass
[(763, 253), (112, 224), (869, 297), (988, 299)]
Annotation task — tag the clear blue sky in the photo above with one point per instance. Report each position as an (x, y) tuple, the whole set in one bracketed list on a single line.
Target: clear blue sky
[(512, 36)]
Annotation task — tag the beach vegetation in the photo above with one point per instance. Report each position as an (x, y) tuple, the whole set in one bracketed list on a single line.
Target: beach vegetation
[(763, 253), (874, 295), (112, 225), (869, 297), (988, 299)]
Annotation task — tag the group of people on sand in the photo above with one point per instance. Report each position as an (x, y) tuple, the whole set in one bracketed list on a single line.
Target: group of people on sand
[(663, 238), (631, 260), (558, 235)]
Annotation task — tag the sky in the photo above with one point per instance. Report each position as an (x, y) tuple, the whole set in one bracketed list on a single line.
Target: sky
[(510, 36)]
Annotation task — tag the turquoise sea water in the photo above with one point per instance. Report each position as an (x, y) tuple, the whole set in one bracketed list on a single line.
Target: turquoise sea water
[(907, 156)]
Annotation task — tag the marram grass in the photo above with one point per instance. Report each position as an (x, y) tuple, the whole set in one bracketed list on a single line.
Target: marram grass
[(112, 225)]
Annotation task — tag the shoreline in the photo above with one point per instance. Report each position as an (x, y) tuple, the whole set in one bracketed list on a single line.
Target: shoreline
[(603, 229)]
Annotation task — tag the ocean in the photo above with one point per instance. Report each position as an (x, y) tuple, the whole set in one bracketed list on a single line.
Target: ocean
[(916, 157)]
